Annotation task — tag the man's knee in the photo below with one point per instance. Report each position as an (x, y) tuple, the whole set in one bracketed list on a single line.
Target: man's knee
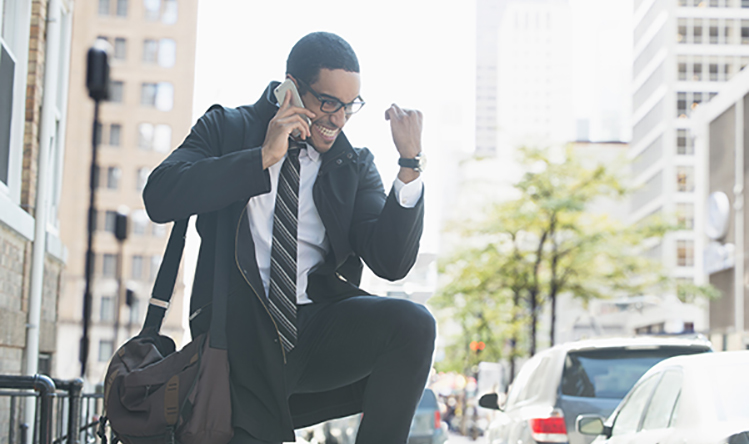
[(416, 323)]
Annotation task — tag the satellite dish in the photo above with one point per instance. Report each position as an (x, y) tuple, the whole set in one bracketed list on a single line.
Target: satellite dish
[(718, 215)]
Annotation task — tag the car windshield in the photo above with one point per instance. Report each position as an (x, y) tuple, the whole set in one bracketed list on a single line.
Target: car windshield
[(611, 373)]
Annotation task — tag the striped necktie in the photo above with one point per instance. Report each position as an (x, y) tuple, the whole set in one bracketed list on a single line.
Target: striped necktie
[(282, 292)]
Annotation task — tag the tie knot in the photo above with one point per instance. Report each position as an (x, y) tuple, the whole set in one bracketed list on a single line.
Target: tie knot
[(295, 147)]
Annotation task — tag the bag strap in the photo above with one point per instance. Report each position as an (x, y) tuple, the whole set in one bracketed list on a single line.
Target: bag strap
[(169, 268), (167, 276)]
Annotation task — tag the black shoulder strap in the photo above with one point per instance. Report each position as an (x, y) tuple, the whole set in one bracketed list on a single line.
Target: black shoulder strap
[(167, 276), (169, 268)]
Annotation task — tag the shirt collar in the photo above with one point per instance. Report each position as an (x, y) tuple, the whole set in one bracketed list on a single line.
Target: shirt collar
[(310, 152)]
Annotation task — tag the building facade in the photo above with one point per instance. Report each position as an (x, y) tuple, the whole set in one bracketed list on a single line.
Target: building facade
[(685, 52), (34, 64), (147, 115), (721, 145)]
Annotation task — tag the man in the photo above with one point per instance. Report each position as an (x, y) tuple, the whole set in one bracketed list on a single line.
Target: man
[(328, 349)]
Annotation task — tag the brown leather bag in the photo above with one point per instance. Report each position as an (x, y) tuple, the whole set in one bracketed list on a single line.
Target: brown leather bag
[(154, 394)]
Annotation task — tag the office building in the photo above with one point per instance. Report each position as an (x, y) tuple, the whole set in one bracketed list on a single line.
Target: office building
[(147, 115), (684, 53)]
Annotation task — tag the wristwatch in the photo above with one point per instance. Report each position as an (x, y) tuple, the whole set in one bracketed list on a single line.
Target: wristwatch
[(418, 163)]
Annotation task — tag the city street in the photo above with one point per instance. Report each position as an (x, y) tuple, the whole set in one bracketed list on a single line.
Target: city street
[(457, 439)]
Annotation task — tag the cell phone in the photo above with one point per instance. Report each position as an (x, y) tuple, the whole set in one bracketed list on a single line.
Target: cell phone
[(296, 100)]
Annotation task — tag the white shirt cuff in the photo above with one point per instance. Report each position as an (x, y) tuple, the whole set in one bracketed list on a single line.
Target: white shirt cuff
[(408, 194)]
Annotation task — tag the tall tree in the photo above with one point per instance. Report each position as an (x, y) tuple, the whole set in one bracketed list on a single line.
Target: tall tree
[(525, 252)]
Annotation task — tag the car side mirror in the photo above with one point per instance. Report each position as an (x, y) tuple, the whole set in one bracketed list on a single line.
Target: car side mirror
[(590, 425), (490, 401)]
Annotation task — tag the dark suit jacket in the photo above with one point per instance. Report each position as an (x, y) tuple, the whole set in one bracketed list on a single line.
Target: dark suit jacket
[(213, 174)]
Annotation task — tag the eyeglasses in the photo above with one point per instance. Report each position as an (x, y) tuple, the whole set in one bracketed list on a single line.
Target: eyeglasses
[(330, 105)]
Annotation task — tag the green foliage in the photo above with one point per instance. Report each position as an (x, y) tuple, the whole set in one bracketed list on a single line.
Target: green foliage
[(544, 243)]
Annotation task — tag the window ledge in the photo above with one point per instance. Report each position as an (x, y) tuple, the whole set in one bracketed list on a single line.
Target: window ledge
[(16, 218)]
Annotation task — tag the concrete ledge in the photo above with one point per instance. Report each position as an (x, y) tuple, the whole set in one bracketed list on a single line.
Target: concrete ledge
[(15, 218)]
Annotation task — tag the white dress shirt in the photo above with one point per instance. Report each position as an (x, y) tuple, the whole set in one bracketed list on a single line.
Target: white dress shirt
[(312, 241)]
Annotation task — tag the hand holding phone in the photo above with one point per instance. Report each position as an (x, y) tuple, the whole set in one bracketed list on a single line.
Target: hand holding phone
[(290, 121), (296, 100)]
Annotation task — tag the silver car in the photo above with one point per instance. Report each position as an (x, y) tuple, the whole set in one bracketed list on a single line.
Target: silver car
[(560, 383), (687, 399)]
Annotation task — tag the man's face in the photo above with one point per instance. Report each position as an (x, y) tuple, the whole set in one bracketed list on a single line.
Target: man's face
[(338, 84)]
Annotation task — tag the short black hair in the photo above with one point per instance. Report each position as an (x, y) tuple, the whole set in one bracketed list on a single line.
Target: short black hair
[(319, 50)]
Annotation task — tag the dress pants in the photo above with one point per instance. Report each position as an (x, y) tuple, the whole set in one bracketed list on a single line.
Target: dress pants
[(389, 340)]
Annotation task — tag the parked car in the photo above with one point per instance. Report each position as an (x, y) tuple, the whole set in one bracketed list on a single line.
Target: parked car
[(560, 383), (427, 426), (687, 399)]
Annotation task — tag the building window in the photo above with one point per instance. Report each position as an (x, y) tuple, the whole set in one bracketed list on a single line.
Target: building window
[(713, 32), (681, 37), (728, 34), (698, 31), (106, 350), (155, 264), (682, 71), (167, 53), (145, 136), (135, 311), (685, 215), (140, 222), (150, 51), (697, 72), (99, 133), (162, 138), (170, 12), (727, 72), (159, 95), (121, 8), (684, 179), (115, 132), (116, 88), (106, 310), (681, 105), (103, 7), (745, 32), (158, 230), (685, 253), (696, 100), (108, 265), (684, 145), (142, 178), (152, 9), (713, 72), (137, 270), (120, 48), (110, 221), (113, 177)]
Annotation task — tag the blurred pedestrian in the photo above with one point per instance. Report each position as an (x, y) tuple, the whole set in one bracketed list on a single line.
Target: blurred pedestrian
[(285, 223)]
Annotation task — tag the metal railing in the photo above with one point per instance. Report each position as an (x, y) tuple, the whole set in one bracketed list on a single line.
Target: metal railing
[(64, 414)]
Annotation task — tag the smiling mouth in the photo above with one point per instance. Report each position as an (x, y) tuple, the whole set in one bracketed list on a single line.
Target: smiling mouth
[(326, 133)]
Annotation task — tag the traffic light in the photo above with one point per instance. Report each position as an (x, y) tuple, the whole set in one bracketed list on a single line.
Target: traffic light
[(477, 346)]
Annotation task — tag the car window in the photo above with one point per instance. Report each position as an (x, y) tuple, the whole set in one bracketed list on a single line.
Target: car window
[(661, 408), (628, 418), (611, 373), (428, 400)]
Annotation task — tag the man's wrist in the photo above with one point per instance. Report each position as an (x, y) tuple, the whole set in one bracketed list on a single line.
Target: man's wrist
[(416, 163)]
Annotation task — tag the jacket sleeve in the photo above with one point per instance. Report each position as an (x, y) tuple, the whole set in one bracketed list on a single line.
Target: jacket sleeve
[(206, 173), (383, 233)]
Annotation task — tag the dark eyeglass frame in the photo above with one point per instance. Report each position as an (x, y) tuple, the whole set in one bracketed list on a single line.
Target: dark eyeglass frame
[(324, 98)]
